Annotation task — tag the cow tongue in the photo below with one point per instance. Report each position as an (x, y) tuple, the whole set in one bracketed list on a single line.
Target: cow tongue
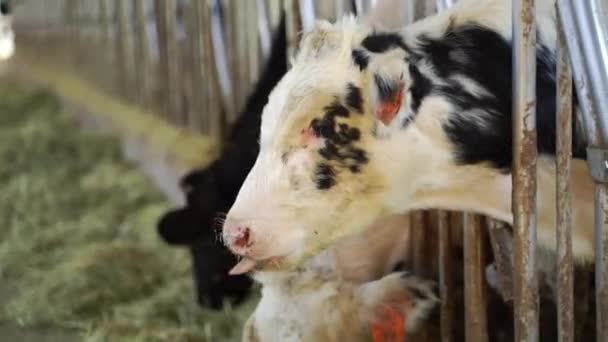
[(244, 266)]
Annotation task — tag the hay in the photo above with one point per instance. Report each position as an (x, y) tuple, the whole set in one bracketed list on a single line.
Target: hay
[(78, 239)]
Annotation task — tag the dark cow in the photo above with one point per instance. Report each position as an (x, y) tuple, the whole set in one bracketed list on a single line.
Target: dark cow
[(212, 190)]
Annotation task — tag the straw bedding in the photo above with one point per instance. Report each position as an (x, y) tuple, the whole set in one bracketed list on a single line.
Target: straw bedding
[(78, 248)]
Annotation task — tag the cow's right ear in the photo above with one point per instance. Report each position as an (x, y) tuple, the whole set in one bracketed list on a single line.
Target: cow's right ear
[(387, 86)]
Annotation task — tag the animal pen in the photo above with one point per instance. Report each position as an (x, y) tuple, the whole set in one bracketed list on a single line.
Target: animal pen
[(192, 63)]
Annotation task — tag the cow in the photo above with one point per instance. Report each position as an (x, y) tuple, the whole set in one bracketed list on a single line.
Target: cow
[(347, 293), (211, 191), (370, 122), (7, 36)]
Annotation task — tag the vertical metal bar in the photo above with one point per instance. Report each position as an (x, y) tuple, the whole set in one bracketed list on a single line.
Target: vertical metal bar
[(264, 28), (215, 116), (586, 30), (565, 266), (501, 241), (446, 276), (200, 80), (524, 170), (220, 56), (476, 324), (444, 4), (122, 47), (418, 231), (142, 52), (168, 53), (307, 13)]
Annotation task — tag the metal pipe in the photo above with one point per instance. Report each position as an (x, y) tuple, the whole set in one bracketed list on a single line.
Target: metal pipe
[(524, 171), (220, 56), (307, 13), (363, 7), (563, 143), (586, 29), (264, 28), (446, 276), (444, 4), (476, 323)]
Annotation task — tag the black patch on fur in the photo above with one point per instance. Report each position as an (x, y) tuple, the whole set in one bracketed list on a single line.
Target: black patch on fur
[(360, 58), (323, 127), (353, 97), (336, 109), (420, 88), (384, 41), (484, 57), (325, 177)]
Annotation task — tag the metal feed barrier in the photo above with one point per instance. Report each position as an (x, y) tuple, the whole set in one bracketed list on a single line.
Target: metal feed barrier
[(148, 44)]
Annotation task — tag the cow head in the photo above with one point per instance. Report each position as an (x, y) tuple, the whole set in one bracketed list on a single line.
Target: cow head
[(358, 128)]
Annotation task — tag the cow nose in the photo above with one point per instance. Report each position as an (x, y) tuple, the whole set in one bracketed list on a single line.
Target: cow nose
[(237, 237)]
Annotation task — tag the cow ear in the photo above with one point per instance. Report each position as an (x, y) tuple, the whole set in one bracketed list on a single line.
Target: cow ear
[(320, 40), (388, 98)]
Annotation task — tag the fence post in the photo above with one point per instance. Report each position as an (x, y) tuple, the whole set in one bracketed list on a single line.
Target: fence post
[(446, 275), (122, 48), (563, 143), (524, 170), (476, 323), (141, 52), (169, 59)]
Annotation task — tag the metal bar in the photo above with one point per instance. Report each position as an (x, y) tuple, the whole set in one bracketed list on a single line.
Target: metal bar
[(418, 230), (586, 30), (307, 13), (168, 53), (294, 25), (565, 266), (363, 7), (476, 324), (444, 4), (264, 28), (122, 48), (141, 52), (220, 56), (501, 241), (524, 171), (446, 276)]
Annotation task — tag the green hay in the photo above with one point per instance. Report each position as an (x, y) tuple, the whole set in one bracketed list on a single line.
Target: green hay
[(78, 240)]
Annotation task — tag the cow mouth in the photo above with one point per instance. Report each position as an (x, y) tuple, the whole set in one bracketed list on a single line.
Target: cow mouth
[(247, 265)]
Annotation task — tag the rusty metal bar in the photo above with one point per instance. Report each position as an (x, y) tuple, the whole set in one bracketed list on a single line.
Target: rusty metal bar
[(418, 230), (476, 324), (524, 171), (501, 241), (446, 276), (586, 31), (565, 265)]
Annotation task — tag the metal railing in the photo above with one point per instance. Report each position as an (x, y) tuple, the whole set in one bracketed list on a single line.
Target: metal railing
[(136, 46)]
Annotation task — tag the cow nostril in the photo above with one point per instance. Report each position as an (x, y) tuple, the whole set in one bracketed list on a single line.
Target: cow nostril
[(243, 240)]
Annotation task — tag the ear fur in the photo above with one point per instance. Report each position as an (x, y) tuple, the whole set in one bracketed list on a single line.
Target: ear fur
[(320, 40)]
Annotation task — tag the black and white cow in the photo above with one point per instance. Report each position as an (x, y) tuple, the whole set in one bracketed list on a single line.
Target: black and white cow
[(7, 36), (371, 122), (212, 190)]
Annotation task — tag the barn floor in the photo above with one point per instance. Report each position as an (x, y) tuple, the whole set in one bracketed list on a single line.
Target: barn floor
[(79, 255)]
